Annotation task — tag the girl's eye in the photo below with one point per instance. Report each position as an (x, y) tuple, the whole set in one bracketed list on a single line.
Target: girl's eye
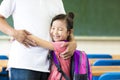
[(60, 29), (52, 28)]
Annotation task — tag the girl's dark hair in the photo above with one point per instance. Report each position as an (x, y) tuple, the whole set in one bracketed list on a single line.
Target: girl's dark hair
[(67, 17)]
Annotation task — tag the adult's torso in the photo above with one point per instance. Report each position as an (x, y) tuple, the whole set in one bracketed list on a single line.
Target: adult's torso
[(34, 16)]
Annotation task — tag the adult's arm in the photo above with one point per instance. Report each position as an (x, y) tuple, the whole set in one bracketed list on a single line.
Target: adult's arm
[(19, 35), (71, 47)]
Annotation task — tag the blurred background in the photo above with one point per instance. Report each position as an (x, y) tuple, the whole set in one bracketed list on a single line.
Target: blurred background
[(96, 26)]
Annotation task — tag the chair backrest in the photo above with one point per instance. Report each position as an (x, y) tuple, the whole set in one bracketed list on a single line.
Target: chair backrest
[(99, 55), (4, 73), (3, 57), (110, 76), (107, 62)]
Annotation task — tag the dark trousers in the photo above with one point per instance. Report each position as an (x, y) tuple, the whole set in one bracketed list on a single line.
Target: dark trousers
[(23, 74)]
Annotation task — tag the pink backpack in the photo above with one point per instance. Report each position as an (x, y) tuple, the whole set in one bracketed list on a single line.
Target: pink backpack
[(80, 68)]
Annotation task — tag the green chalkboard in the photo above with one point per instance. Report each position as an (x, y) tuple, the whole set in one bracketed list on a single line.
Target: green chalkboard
[(93, 17)]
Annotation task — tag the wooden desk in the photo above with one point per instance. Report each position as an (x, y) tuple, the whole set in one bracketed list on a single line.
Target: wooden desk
[(98, 70), (3, 63), (0, 69), (117, 56)]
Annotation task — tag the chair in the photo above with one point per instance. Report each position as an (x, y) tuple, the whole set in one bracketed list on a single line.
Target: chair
[(99, 56), (3, 57), (106, 62), (110, 76), (4, 73)]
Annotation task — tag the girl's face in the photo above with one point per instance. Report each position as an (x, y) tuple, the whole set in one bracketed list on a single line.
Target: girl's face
[(59, 31)]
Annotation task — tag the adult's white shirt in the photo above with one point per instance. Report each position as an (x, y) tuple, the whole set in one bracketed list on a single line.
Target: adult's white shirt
[(34, 16)]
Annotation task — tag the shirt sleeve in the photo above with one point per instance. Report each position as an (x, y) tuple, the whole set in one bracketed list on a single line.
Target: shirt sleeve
[(61, 7), (7, 7), (57, 46)]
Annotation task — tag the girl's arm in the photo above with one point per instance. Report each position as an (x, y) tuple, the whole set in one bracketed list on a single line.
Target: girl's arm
[(40, 42)]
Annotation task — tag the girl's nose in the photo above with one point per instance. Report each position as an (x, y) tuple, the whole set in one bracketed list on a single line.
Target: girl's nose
[(56, 31)]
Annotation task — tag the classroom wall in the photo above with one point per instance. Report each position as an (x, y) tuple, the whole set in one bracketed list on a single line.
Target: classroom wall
[(109, 45), (90, 45)]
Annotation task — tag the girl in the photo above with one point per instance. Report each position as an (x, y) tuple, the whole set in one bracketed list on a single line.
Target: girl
[(60, 32)]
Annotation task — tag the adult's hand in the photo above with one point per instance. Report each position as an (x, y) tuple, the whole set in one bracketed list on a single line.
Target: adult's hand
[(21, 36), (71, 47)]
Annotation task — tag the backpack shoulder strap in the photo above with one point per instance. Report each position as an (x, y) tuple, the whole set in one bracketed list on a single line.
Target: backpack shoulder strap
[(57, 64)]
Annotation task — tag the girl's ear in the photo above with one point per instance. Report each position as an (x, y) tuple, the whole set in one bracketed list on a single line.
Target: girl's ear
[(69, 34), (70, 31)]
